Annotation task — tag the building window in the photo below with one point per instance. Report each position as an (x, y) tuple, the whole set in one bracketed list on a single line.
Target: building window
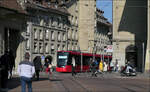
[(35, 47), (41, 47), (76, 21), (35, 33), (73, 34), (53, 35), (72, 19), (64, 37), (41, 22), (69, 34), (59, 36), (46, 48), (52, 21), (47, 34), (41, 34), (27, 44), (52, 49), (58, 22), (76, 35), (46, 21), (58, 47), (63, 47), (64, 23), (28, 30)]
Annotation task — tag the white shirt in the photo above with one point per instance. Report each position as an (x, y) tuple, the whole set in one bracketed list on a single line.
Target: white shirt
[(26, 69)]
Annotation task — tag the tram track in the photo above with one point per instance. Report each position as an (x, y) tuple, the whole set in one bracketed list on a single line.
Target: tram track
[(75, 81), (69, 83), (59, 83)]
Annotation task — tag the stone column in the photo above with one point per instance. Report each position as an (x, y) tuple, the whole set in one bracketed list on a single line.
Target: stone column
[(147, 61)]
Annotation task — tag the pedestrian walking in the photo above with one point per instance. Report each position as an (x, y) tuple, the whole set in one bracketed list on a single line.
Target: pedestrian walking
[(105, 67), (37, 65), (48, 65), (94, 66), (5, 67), (111, 66), (26, 71), (73, 66), (101, 66), (116, 67)]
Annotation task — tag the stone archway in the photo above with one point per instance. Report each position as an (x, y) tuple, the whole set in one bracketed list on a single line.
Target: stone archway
[(131, 55), (12, 40)]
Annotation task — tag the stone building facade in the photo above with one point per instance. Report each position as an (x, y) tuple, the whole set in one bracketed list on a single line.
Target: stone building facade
[(73, 9), (35, 26), (42, 27), (130, 31), (92, 27), (12, 28), (87, 25), (102, 34), (47, 29)]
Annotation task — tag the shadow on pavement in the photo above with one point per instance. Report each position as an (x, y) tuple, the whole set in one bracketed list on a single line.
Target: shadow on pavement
[(55, 79), (40, 79), (13, 83)]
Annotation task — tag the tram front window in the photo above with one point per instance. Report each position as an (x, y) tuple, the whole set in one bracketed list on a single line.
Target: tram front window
[(61, 60)]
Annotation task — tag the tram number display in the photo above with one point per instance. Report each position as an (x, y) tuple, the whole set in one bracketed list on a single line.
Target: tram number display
[(62, 57)]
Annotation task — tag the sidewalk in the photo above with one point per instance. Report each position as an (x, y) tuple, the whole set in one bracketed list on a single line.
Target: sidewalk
[(15, 86)]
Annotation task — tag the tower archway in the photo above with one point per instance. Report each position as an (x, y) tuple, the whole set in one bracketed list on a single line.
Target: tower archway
[(131, 55)]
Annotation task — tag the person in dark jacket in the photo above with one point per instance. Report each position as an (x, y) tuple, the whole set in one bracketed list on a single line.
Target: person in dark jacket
[(4, 61), (47, 64), (48, 61), (11, 62), (94, 66), (38, 65)]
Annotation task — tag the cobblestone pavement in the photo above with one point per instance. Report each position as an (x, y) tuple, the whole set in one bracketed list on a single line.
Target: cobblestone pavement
[(83, 82)]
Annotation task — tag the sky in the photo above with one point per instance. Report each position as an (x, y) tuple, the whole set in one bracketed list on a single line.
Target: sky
[(106, 6)]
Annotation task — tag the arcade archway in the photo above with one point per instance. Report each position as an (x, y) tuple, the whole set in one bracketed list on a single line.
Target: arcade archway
[(131, 55)]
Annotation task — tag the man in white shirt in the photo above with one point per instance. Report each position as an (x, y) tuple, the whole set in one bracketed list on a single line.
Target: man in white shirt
[(26, 71)]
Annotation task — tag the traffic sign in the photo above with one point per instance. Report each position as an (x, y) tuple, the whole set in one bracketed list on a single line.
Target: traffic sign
[(109, 48)]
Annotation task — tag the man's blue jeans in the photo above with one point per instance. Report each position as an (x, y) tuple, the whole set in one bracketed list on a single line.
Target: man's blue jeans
[(24, 81)]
